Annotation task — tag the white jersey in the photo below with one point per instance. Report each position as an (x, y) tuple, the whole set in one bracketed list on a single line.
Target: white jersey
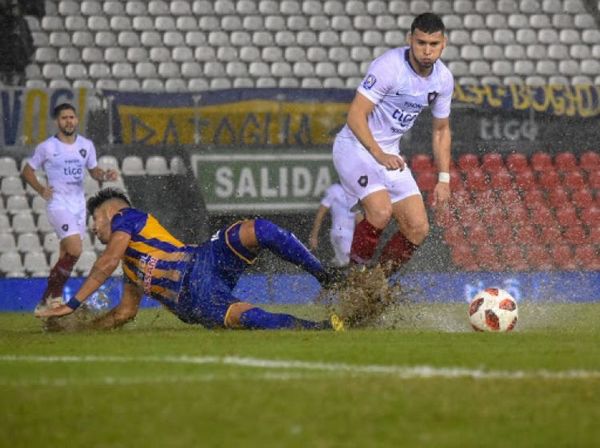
[(399, 95), (339, 205), (65, 166)]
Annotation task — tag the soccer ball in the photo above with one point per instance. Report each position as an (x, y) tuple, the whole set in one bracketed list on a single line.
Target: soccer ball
[(493, 309)]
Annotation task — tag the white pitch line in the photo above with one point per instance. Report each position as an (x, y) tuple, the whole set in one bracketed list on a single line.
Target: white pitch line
[(402, 372)]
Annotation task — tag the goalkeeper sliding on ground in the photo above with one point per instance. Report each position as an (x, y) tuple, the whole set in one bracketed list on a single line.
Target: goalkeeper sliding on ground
[(193, 282)]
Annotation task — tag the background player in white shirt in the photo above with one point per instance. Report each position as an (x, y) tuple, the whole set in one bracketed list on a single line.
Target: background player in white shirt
[(343, 220), (398, 86), (64, 157)]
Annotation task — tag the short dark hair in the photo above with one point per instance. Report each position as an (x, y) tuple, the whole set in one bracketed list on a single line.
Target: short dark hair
[(428, 22), (104, 195), (62, 106)]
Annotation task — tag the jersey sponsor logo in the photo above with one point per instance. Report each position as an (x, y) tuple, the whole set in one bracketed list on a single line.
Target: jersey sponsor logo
[(369, 81), (149, 263), (431, 96), (83, 152), (363, 181), (65, 227), (404, 119)]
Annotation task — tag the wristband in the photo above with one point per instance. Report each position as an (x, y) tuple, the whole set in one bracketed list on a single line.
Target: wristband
[(73, 303), (444, 177)]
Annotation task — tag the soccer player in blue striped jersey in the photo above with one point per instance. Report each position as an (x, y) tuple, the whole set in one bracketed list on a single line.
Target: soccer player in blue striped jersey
[(193, 282)]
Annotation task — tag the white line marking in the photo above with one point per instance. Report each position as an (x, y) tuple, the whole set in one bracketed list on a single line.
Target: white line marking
[(402, 372)]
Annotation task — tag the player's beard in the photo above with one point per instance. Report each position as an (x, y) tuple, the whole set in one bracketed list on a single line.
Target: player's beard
[(70, 131)]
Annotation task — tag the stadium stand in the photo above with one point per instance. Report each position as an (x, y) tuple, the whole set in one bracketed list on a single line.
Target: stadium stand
[(254, 43)]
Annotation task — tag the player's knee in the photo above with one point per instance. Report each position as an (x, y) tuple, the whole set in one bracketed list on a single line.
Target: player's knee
[(74, 253), (234, 314), (380, 217)]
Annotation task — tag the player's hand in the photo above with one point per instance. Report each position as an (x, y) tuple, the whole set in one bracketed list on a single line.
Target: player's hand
[(61, 310), (441, 194), (111, 175), (47, 193), (391, 161)]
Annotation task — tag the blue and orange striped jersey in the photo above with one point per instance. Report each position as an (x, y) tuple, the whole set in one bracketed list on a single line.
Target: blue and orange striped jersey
[(154, 260)]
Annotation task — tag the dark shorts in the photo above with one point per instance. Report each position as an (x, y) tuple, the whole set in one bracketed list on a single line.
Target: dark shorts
[(215, 270)]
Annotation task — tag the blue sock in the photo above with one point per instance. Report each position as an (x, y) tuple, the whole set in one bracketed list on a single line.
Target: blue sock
[(259, 319), (285, 244)]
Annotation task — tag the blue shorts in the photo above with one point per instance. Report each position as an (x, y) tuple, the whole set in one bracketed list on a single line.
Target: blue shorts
[(213, 274)]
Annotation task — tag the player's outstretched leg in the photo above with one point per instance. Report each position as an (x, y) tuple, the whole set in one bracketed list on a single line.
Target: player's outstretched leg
[(286, 245), (246, 315)]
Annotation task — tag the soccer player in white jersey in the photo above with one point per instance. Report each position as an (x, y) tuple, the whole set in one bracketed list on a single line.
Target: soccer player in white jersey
[(343, 220), (64, 157), (366, 152)]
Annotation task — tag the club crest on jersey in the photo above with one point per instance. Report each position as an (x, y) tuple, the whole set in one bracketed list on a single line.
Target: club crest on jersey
[(65, 227), (363, 181), (369, 81), (431, 96), (83, 152)]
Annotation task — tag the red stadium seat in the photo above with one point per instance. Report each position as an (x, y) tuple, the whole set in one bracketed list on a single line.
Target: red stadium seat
[(563, 257), (558, 197), (548, 179), (426, 180), (516, 162), (534, 198), (512, 258), (421, 162), (467, 162), (595, 234), (501, 233), (587, 257), (550, 232), (538, 258), (456, 181), (500, 180), (590, 216), (444, 217), (454, 235), (477, 234), (594, 181), (517, 214), (492, 162), (540, 214), (541, 161), (575, 234), (460, 199), (573, 180), (468, 215), (566, 216), (510, 198), (565, 161), (487, 258), (463, 257), (485, 200), (582, 199), (526, 234), (589, 161), (525, 180), (475, 180)]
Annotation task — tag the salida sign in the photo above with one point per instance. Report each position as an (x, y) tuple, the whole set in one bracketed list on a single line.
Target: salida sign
[(263, 182)]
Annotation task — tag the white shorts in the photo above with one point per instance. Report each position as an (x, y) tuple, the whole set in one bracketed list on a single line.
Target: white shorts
[(341, 241), (66, 222), (360, 174)]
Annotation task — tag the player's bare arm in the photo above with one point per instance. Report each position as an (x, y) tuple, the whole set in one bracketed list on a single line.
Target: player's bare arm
[(441, 144), (101, 175), (29, 176), (313, 241), (103, 268), (358, 122)]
